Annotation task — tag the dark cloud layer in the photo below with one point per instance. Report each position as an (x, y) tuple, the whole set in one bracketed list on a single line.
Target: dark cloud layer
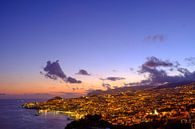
[(113, 78), (54, 71), (159, 76), (155, 38), (83, 72)]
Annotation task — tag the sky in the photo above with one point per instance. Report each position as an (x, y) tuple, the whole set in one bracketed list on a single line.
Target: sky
[(107, 38)]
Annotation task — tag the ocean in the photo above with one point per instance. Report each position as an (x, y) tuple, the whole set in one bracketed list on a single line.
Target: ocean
[(13, 116)]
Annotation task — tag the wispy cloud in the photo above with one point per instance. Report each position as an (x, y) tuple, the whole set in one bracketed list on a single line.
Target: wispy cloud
[(155, 38), (131, 69), (190, 60), (113, 78)]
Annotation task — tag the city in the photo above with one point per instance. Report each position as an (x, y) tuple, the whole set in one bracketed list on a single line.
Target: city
[(129, 107)]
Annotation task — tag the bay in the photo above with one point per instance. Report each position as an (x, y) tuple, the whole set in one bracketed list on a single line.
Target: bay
[(13, 116)]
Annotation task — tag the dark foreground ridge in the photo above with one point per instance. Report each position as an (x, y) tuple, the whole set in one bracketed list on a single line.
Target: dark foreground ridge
[(95, 122)]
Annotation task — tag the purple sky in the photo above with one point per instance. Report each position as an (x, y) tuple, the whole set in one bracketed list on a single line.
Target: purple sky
[(100, 36)]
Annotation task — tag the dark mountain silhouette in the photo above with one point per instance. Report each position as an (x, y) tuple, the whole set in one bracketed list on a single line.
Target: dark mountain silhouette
[(142, 87), (95, 122)]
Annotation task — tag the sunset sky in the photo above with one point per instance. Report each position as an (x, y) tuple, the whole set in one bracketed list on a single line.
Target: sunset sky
[(107, 38)]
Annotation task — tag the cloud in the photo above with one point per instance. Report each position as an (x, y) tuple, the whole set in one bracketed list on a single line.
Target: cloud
[(53, 70), (72, 80), (155, 38), (159, 76), (2, 94), (106, 85), (113, 78), (70, 94), (83, 72), (75, 88), (190, 60), (114, 70), (184, 71), (131, 84), (153, 62), (131, 69), (48, 95), (91, 92)]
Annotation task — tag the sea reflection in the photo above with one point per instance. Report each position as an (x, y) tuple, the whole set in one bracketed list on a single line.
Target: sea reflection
[(13, 116)]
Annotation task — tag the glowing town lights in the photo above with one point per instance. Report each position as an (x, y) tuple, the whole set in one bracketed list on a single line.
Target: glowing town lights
[(155, 112)]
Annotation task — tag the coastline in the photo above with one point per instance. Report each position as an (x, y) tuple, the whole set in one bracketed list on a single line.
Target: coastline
[(69, 114)]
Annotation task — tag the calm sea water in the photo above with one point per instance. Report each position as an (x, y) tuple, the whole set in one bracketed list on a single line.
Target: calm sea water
[(13, 116)]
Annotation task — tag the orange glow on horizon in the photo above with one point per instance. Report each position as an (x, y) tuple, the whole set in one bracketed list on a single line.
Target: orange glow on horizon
[(55, 86)]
